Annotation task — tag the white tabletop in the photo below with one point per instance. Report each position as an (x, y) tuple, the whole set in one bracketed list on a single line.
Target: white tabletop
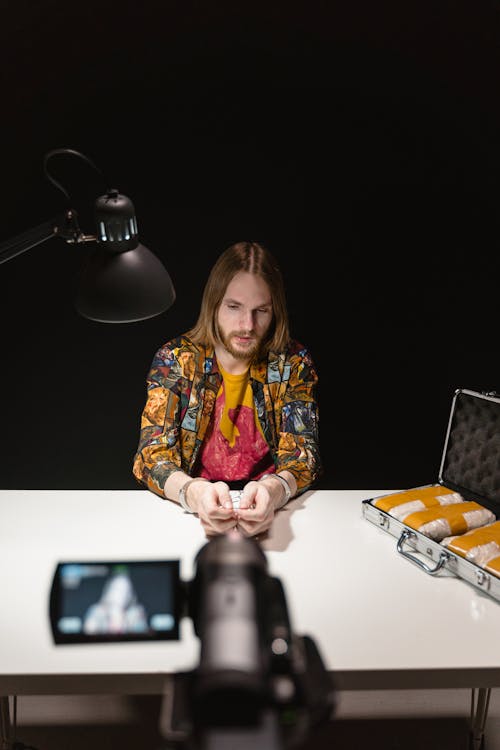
[(378, 620)]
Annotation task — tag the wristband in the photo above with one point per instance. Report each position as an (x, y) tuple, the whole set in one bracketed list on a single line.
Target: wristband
[(183, 490), (284, 484)]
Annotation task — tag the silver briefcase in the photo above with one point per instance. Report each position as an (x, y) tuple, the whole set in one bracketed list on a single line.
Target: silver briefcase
[(469, 475)]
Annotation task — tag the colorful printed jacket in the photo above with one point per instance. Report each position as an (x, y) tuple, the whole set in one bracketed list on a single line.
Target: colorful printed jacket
[(182, 386)]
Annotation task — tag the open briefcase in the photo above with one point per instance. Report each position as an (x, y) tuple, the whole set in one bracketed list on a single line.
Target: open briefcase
[(452, 524)]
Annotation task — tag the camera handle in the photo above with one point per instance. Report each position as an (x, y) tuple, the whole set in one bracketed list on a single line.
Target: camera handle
[(175, 724), (317, 704)]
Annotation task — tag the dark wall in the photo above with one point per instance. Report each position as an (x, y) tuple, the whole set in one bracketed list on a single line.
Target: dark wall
[(360, 143)]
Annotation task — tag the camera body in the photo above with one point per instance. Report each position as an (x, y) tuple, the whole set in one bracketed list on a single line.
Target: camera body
[(255, 679)]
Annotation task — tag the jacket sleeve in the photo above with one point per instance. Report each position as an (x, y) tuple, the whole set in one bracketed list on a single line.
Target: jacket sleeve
[(298, 439), (158, 453)]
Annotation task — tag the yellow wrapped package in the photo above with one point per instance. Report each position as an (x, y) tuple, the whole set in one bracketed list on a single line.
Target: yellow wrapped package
[(435, 511), (480, 546), (401, 504), (442, 521)]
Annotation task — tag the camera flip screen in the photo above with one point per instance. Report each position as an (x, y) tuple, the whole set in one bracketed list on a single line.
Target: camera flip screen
[(92, 602)]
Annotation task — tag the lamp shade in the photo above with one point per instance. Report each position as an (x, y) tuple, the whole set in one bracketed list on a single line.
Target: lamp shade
[(123, 287), (122, 281)]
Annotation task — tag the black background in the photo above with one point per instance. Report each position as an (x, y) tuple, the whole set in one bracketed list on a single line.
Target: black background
[(359, 141)]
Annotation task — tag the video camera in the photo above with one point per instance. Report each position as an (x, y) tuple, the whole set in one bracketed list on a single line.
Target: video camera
[(256, 683)]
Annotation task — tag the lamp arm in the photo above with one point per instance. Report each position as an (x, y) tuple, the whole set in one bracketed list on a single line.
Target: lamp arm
[(65, 227), (26, 240)]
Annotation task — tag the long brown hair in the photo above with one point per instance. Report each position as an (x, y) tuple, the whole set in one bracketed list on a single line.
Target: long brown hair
[(256, 259)]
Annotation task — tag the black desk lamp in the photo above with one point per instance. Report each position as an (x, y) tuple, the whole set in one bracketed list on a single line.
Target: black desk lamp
[(121, 281)]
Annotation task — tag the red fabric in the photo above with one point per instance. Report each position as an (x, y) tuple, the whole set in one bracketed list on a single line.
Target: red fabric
[(248, 458)]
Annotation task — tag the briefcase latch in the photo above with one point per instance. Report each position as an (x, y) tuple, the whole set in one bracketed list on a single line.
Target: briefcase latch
[(383, 520), (482, 579)]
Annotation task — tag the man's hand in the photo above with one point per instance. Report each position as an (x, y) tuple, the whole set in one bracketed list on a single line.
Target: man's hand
[(212, 502), (256, 512)]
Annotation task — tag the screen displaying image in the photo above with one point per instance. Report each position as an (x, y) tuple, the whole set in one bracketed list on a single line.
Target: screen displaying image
[(115, 601)]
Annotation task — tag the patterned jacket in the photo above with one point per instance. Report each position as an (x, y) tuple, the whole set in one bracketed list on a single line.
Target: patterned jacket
[(182, 386)]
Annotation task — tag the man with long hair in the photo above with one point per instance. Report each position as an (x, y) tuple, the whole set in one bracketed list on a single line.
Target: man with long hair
[(232, 403)]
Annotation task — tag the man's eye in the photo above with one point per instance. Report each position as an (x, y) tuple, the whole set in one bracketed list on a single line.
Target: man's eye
[(233, 307)]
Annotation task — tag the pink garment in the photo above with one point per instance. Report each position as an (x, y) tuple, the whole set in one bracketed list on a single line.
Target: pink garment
[(248, 458)]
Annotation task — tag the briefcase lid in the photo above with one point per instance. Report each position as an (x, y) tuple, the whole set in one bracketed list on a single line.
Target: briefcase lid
[(471, 456)]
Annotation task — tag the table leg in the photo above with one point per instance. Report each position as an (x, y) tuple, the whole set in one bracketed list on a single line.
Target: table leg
[(5, 724), (479, 714)]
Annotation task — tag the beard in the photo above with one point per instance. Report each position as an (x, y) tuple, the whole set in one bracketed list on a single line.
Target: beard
[(249, 352)]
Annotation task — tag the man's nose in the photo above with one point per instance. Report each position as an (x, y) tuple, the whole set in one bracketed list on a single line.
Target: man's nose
[(247, 320)]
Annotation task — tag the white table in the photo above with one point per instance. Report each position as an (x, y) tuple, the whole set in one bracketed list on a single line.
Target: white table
[(379, 621)]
